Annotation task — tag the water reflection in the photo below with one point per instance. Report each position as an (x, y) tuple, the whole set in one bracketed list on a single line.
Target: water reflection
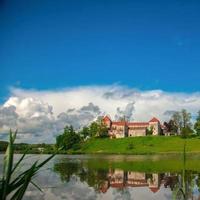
[(115, 177), (182, 185)]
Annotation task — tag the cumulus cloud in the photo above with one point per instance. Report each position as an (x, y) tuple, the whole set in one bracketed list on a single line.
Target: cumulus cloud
[(32, 117), (126, 113), (41, 115), (78, 117)]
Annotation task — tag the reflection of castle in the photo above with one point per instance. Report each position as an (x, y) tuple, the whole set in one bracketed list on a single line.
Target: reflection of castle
[(122, 129), (120, 179)]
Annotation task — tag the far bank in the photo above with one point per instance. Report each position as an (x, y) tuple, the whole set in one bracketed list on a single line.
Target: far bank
[(144, 145), (139, 145)]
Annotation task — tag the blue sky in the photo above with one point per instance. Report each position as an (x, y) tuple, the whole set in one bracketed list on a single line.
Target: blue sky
[(143, 44)]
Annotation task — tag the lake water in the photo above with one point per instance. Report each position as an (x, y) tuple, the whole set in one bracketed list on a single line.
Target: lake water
[(116, 177)]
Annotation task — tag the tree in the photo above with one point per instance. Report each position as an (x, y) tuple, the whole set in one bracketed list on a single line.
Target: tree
[(149, 131), (68, 139), (103, 130), (197, 124), (171, 126), (98, 129), (85, 132), (180, 123), (186, 117), (93, 129), (198, 116), (186, 131), (177, 120)]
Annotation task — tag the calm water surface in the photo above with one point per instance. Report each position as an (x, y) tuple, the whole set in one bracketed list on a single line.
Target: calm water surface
[(115, 177)]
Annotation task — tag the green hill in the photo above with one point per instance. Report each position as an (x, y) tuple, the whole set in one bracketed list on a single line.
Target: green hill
[(141, 145)]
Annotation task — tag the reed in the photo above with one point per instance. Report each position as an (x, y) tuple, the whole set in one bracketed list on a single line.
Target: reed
[(15, 187)]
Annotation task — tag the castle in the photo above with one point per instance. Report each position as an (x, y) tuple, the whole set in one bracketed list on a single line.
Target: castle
[(121, 179), (121, 129)]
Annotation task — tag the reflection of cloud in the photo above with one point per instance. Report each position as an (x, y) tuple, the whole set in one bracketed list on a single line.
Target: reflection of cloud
[(43, 114), (73, 190)]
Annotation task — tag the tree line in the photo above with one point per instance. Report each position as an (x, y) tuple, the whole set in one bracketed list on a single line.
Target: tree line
[(71, 139), (180, 124)]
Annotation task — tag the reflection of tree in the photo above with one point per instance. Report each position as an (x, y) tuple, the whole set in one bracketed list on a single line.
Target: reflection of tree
[(197, 181), (66, 170), (186, 185), (171, 181), (181, 191), (186, 182), (94, 178)]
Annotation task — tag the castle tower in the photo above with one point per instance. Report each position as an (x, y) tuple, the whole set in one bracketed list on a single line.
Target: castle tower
[(155, 124), (107, 121)]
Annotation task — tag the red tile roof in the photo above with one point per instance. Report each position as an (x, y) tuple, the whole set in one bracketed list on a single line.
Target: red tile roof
[(106, 118), (138, 123), (154, 120), (123, 123), (119, 123), (153, 189)]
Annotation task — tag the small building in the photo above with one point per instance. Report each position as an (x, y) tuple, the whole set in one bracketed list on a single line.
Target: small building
[(121, 129)]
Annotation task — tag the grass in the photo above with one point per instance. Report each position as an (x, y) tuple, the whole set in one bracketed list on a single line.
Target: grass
[(140, 145)]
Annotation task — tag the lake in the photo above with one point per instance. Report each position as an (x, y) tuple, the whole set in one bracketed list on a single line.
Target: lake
[(115, 177)]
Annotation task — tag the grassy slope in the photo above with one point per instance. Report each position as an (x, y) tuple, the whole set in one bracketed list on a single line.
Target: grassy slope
[(141, 145)]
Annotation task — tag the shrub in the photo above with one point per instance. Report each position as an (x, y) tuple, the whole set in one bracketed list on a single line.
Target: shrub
[(186, 132), (76, 147), (149, 131), (130, 146)]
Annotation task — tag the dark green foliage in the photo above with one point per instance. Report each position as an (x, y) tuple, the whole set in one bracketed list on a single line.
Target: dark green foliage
[(171, 126), (68, 139), (130, 146), (72, 140), (76, 146), (98, 129), (93, 128), (29, 148), (85, 132), (197, 127), (186, 132), (197, 124), (149, 131)]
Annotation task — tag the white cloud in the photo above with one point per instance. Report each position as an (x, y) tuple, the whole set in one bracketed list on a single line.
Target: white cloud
[(43, 114)]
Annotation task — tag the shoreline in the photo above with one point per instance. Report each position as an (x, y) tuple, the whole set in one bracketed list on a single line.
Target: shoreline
[(148, 145)]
